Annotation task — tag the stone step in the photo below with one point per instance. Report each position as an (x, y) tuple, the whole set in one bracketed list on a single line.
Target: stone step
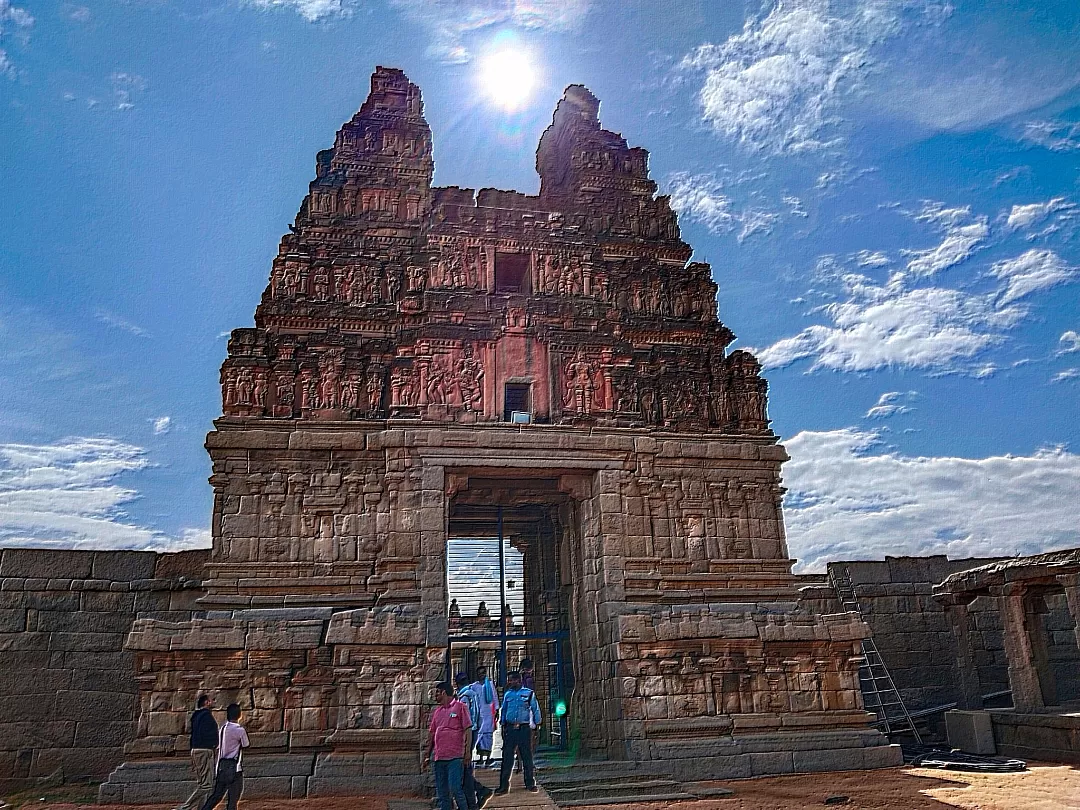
[(574, 776), (600, 790), (706, 792), (633, 800), (604, 769)]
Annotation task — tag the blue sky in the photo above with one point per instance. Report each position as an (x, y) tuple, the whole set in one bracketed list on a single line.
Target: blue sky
[(888, 192)]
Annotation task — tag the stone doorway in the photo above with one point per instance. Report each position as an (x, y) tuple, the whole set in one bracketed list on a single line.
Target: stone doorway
[(509, 544)]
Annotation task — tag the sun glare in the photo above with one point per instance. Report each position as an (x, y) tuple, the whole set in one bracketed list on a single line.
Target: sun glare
[(508, 78)]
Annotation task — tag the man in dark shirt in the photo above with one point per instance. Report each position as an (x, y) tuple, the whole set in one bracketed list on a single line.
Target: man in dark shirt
[(204, 736), (526, 669)]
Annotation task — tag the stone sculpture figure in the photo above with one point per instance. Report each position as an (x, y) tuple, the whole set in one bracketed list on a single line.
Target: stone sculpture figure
[(403, 391), (470, 381), (437, 385), (259, 391), (350, 391), (393, 285), (374, 389), (320, 284), (245, 382), (309, 390), (580, 385), (417, 279)]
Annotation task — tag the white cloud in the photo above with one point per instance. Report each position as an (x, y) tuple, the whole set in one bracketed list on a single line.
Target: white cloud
[(1057, 136), (117, 322), (957, 246), (79, 13), (66, 495), (1067, 374), (1024, 216), (701, 198), (161, 425), (13, 20), (933, 328), (891, 403), (1069, 342), (776, 86), (1031, 272), (451, 23), (795, 206), (851, 498), (866, 258), (936, 213), (963, 236), (126, 86), (310, 10)]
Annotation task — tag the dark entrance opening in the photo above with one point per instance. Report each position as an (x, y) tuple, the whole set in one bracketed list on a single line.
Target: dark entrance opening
[(508, 549), (511, 272), (516, 399)]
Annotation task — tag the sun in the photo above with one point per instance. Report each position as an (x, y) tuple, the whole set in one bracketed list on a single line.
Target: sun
[(508, 78)]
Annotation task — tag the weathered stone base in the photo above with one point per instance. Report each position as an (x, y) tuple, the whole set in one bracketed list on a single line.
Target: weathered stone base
[(1030, 736), (773, 754), (283, 776), (971, 732), (271, 776)]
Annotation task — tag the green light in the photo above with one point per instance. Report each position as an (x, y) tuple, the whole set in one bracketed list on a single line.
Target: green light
[(560, 708)]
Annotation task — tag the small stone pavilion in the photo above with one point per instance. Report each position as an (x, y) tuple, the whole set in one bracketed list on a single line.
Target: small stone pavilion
[(1044, 721), (424, 358)]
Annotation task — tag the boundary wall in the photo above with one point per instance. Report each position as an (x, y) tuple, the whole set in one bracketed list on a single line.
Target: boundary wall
[(68, 695)]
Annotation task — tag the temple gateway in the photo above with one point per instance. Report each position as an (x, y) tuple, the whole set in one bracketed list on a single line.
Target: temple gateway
[(431, 366)]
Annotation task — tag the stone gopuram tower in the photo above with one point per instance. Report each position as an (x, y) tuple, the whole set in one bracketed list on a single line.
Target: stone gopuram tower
[(423, 356)]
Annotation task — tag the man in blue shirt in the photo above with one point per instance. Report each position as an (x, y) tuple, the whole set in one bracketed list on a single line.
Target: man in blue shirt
[(519, 715)]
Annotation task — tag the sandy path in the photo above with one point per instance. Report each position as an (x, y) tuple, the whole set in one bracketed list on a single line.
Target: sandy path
[(1043, 787)]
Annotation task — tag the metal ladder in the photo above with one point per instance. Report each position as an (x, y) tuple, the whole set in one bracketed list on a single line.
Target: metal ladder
[(880, 694)]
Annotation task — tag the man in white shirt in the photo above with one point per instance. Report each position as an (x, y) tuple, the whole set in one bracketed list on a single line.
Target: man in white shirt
[(232, 740), (488, 703)]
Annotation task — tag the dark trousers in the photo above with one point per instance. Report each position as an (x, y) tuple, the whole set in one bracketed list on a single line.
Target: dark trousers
[(449, 788), (520, 740), (474, 790), (221, 789)]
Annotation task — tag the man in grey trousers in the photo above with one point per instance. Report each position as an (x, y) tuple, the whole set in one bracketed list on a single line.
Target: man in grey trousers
[(204, 740)]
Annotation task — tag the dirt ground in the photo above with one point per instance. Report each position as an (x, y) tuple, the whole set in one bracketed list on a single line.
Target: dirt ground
[(1042, 787)]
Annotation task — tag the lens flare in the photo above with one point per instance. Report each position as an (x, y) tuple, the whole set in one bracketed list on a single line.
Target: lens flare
[(508, 78)]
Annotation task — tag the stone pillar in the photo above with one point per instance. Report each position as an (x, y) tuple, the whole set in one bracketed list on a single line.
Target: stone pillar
[(1034, 612), (1072, 593), (968, 683), (1023, 675)]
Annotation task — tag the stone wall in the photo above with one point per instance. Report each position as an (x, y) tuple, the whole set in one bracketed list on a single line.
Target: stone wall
[(68, 698), (910, 628), (914, 638), (1064, 654)]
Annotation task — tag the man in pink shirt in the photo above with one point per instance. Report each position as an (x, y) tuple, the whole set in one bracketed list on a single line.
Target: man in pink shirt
[(449, 738)]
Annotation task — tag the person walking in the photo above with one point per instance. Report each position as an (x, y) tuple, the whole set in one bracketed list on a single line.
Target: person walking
[(204, 740), (229, 781), (526, 667), (488, 702), (520, 714), (476, 794), (449, 740)]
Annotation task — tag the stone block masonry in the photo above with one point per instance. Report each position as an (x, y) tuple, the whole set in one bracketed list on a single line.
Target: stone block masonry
[(916, 642), (374, 409), (911, 629), (68, 694)]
